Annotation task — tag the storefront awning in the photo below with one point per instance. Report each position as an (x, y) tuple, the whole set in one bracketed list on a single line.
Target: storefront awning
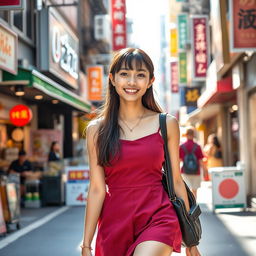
[(220, 92), (35, 79), (203, 113)]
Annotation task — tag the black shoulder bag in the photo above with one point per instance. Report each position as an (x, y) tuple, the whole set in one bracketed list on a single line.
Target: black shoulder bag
[(189, 221)]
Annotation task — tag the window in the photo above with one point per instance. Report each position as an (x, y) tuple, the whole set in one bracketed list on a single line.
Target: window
[(23, 20), (4, 15), (18, 19)]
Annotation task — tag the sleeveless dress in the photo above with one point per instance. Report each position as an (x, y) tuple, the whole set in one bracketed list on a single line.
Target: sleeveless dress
[(136, 207)]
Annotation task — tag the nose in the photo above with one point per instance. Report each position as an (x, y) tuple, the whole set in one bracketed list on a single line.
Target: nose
[(132, 80)]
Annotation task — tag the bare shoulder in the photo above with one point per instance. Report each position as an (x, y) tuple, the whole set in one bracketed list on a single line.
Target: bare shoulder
[(171, 121), (172, 124), (93, 128)]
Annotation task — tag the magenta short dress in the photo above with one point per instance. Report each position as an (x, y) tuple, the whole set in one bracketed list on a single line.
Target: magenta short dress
[(136, 207)]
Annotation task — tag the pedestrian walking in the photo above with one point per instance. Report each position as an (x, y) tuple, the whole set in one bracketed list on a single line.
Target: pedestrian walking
[(126, 197), (191, 155), (213, 151)]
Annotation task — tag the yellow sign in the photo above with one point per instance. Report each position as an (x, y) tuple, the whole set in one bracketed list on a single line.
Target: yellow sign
[(173, 42)]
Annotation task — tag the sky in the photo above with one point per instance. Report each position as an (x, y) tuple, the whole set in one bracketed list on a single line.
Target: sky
[(146, 28)]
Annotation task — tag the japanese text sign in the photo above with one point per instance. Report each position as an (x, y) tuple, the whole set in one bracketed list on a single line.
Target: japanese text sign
[(182, 67), (200, 46), (118, 8), (243, 25), (95, 82), (8, 50), (20, 115), (182, 20), (191, 96), (174, 77), (173, 42)]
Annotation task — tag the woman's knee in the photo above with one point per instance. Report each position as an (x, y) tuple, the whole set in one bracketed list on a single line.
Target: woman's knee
[(152, 248)]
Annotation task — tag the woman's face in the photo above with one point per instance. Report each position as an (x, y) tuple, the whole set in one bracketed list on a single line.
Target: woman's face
[(131, 84)]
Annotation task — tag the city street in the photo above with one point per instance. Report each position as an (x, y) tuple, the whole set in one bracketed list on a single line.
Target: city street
[(224, 233)]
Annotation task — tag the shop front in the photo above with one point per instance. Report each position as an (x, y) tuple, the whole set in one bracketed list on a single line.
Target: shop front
[(217, 113)]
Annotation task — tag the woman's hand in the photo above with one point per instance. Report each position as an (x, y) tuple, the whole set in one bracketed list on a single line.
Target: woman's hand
[(86, 252), (192, 251)]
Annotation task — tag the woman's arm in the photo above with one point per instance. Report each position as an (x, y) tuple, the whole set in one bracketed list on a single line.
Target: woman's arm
[(97, 187), (173, 136)]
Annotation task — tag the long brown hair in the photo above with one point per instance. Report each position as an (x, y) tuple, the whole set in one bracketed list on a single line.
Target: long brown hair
[(109, 130)]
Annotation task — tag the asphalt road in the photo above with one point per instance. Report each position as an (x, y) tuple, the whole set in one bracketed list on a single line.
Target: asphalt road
[(224, 234)]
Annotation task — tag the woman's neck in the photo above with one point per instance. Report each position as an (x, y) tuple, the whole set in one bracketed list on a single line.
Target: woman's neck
[(131, 112)]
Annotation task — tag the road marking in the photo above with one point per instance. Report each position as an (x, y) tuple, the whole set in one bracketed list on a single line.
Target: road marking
[(13, 237)]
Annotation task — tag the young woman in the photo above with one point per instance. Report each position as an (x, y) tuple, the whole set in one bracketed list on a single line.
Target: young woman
[(213, 151), (54, 154), (126, 197)]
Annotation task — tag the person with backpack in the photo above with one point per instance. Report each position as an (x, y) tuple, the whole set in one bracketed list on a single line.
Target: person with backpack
[(191, 156)]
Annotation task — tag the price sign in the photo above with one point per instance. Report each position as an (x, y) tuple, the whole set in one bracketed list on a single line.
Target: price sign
[(77, 185)]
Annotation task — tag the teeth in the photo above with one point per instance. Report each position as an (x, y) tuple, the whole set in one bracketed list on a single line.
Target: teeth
[(131, 90)]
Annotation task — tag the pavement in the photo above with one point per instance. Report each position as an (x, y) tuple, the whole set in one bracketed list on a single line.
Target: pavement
[(58, 231)]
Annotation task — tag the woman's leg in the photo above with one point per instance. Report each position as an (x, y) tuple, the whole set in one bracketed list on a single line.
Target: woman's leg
[(152, 248)]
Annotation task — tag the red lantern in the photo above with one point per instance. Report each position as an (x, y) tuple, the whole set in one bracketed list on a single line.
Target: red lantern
[(20, 115)]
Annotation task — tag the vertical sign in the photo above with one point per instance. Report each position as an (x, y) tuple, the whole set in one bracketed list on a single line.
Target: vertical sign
[(77, 184), (243, 25), (118, 9), (182, 30), (174, 77), (182, 67), (8, 50), (200, 46), (173, 42), (95, 82)]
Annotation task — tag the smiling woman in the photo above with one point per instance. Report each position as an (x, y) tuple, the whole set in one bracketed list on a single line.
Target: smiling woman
[(126, 197)]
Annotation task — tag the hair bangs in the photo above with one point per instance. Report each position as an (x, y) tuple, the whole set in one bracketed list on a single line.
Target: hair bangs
[(133, 60)]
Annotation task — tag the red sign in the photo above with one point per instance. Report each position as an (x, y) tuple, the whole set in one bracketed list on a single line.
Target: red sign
[(174, 77), (20, 115), (78, 175), (200, 48), (118, 9), (243, 25), (11, 4)]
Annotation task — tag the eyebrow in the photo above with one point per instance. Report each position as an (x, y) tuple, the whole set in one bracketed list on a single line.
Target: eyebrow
[(141, 69)]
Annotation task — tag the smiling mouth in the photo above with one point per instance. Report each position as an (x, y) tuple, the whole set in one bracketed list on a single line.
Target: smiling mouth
[(131, 91)]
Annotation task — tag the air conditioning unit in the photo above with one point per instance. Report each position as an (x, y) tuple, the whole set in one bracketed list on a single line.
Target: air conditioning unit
[(102, 27)]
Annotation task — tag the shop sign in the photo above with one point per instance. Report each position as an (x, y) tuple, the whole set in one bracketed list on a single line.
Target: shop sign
[(95, 82), (189, 96), (173, 42), (8, 50), (20, 115), (11, 4), (200, 46), (243, 25), (182, 20), (59, 47), (182, 67), (228, 187), (119, 37), (174, 77), (77, 184)]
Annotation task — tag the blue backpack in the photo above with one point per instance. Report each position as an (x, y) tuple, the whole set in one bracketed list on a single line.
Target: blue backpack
[(190, 162)]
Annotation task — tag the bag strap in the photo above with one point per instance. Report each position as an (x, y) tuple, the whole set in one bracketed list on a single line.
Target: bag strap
[(184, 149), (194, 148), (167, 163)]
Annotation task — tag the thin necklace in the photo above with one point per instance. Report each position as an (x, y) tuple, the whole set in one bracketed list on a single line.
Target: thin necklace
[(131, 129)]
